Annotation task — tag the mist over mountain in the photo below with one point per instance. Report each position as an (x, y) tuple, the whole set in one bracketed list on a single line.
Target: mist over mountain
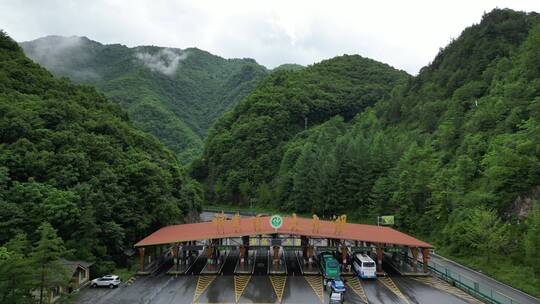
[(171, 93)]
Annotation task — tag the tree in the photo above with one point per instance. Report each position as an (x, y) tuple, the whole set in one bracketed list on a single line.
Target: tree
[(60, 208), (84, 237), (72, 158), (379, 197), (305, 196), (46, 261), (264, 195), (475, 230), (16, 273), (532, 238)]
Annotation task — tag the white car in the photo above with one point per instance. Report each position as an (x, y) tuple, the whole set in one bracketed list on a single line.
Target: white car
[(336, 297), (110, 281)]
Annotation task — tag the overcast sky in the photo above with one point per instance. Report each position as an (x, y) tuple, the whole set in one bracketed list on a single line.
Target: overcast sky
[(406, 34)]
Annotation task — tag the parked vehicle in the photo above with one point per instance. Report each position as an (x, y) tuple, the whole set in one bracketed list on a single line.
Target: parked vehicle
[(329, 267), (364, 266), (110, 281)]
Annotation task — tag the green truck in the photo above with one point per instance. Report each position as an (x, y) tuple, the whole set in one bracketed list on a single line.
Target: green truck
[(329, 267)]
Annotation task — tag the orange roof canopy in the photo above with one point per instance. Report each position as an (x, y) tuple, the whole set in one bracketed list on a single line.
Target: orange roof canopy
[(304, 227)]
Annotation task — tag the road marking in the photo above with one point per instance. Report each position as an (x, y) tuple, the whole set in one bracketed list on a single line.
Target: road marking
[(388, 283), (240, 283), (278, 283), (316, 283), (131, 280), (202, 283), (356, 286), (444, 286)]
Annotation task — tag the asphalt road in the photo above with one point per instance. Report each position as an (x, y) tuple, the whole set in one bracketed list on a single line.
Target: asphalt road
[(516, 295), (261, 263), (161, 288), (293, 269), (181, 289), (230, 263)]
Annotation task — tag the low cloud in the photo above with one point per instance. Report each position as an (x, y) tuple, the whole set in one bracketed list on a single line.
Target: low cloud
[(67, 56), (165, 61), (301, 31)]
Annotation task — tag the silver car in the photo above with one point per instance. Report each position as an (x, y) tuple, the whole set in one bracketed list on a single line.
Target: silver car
[(110, 281)]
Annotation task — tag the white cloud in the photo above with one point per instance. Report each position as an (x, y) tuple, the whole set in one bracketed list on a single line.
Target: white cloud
[(405, 34), (165, 61)]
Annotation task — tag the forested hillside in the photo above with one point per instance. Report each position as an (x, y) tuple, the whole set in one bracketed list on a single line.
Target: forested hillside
[(454, 152), (245, 147), (174, 94), (71, 158)]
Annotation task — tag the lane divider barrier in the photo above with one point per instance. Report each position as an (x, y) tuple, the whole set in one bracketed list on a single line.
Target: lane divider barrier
[(316, 282), (203, 282), (354, 283), (278, 283), (240, 284), (389, 283)]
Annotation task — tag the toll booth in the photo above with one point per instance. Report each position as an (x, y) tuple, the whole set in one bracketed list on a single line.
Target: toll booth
[(208, 244)]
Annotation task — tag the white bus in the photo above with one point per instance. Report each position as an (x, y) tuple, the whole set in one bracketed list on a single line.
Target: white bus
[(364, 266)]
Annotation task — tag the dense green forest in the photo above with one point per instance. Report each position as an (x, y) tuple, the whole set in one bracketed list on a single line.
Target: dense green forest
[(72, 165), (174, 94), (245, 146), (453, 152)]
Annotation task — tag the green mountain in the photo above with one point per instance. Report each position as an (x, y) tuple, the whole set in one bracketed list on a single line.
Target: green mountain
[(71, 157), (453, 153), (245, 147), (289, 67), (174, 94)]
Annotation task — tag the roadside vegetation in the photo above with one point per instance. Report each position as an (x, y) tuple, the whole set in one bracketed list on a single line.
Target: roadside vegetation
[(503, 269), (73, 166)]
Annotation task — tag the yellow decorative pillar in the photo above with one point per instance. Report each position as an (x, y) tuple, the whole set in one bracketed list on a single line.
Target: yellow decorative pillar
[(380, 254), (414, 252), (425, 259), (141, 257)]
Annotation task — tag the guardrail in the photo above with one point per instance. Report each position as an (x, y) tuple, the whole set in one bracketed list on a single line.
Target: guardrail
[(228, 211), (474, 288)]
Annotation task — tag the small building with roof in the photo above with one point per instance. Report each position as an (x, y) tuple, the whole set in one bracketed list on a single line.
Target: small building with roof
[(79, 276)]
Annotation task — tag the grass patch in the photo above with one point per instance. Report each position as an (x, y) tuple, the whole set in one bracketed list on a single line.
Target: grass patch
[(124, 273), (68, 298)]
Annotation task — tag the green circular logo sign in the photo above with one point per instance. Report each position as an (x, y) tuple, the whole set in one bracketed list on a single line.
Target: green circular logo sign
[(276, 221)]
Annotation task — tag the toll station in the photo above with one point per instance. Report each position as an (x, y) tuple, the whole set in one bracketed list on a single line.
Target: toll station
[(227, 258), (252, 239), (275, 259)]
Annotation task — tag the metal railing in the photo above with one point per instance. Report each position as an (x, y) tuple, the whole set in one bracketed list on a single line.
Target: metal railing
[(474, 288), (231, 210)]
